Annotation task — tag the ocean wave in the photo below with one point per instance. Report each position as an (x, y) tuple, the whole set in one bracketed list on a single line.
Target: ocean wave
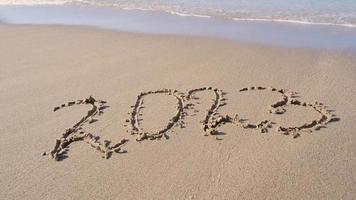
[(34, 2), (187, 14), (294, 22), (181, 14)]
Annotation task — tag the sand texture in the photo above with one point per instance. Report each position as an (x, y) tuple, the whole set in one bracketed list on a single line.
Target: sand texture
[(95, 114)]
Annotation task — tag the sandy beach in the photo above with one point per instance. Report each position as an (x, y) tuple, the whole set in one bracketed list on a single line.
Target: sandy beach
[(263, 123)]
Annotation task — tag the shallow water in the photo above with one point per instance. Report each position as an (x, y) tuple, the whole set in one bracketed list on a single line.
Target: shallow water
[(340, 12), (270, 33)]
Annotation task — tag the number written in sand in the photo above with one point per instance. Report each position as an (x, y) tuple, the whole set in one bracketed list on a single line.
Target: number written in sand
[(77, 132), (185, 101), (177, 119)]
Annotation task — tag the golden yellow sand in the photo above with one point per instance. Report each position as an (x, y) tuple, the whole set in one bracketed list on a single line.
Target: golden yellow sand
[(42, 67)]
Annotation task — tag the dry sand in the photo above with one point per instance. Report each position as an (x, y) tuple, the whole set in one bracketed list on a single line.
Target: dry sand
[(42, 67)]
